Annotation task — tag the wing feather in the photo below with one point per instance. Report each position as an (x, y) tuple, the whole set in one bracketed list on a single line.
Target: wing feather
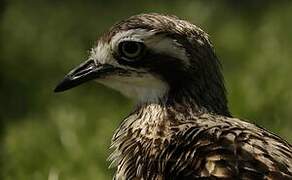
[(229, 149)]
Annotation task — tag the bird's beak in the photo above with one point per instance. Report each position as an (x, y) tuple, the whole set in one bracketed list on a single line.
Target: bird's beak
[(86, 71)]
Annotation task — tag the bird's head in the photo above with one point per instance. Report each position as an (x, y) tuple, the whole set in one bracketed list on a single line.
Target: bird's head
[(155, 58)]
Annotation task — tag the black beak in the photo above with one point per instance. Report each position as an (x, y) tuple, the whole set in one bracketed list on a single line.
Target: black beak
[(86, 71)]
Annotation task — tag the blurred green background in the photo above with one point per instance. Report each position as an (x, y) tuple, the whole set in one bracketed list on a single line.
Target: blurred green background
[(66, 136)]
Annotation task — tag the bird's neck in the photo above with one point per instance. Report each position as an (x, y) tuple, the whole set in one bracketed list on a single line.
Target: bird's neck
[(160, 116), (146, 131), (185, 100)]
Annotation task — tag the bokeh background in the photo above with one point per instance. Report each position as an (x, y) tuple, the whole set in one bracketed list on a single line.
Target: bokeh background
[(66, 136)]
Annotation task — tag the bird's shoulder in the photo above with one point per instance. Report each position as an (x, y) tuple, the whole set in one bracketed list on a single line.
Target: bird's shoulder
[(223, 147)]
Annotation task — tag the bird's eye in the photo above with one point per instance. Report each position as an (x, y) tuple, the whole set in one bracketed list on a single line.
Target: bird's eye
[(131, 49)]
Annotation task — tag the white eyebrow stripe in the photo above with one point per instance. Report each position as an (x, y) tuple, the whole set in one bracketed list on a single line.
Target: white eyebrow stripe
[(169, 46), (157, 43), (133, 34)]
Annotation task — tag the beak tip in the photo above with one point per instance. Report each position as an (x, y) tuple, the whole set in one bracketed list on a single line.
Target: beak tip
[(59, 88), (62, 86)]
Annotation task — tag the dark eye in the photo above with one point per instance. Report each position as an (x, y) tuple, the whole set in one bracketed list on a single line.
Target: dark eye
[(131, 49)]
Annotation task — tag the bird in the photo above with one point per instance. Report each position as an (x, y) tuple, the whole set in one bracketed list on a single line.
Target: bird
[(180, 126)]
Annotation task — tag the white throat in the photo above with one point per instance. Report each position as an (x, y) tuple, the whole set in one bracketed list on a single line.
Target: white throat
[(142, 88)]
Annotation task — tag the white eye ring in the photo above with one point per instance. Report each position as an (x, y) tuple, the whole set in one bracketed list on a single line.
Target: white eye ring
[(131, 49)]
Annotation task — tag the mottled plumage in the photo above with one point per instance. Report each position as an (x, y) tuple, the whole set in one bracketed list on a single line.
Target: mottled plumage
[(181, 127), (161, 142)]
